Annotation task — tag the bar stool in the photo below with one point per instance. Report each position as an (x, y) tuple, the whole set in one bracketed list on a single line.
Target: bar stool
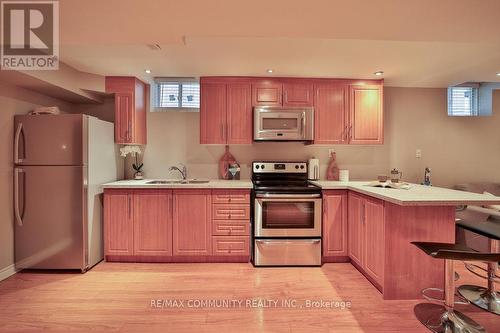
[(486, 298), (439, 318)]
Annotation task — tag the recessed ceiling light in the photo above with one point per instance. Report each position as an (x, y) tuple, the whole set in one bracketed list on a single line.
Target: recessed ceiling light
[(270, 70), (148, 71), (498, 74), (379, 73)]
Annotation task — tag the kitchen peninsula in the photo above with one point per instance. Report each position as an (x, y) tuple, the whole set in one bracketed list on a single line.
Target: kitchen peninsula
[(370, 227)]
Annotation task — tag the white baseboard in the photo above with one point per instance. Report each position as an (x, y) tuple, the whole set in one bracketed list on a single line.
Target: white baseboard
[(7, 271)]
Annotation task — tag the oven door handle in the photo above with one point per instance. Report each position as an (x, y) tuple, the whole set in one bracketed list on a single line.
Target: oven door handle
[(275, 242), (288, 196)]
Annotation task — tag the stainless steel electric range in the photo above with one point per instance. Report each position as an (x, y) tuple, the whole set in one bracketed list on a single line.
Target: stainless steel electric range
[(286, 215)]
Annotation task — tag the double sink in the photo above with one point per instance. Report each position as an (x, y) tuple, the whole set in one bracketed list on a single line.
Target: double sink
[(180, 181)]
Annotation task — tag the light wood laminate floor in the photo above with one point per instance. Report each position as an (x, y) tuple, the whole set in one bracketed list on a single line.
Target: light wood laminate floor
[(116, 297)]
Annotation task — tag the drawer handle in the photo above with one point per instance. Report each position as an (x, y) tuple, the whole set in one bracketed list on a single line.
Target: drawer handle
[(314, 241)]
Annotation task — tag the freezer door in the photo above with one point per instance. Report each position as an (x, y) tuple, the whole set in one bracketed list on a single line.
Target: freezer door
[(50, 217), (50, 139)]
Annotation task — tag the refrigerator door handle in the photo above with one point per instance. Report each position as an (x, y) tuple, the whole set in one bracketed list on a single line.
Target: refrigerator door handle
[(17, 212), (19, 130)]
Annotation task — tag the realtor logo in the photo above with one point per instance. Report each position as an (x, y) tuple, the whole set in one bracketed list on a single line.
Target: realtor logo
[(30, 35)]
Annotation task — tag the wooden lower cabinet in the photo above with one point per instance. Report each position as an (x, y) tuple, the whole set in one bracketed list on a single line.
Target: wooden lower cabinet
[(366, 236), (162, 225), (152, 223), (192, 222), (335, 226), (118, 223), (137, 223), (374, 239), (231, 225)]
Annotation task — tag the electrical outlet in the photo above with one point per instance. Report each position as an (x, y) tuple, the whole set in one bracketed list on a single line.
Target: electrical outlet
[(418, 153)]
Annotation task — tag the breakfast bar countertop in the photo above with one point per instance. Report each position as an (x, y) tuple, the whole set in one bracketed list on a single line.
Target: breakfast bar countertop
[(212, 183), (417, 195)]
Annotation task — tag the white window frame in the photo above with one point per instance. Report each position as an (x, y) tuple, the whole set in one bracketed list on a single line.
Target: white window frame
[(172, 80), (474, 103)]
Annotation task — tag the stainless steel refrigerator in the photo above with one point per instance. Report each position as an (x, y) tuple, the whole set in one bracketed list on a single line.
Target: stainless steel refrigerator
[(59, 163)]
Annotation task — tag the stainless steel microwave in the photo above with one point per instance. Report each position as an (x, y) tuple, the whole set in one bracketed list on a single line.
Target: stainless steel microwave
[(283, 123)]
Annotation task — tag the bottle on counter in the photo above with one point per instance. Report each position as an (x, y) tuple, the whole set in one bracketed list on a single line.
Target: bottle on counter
[(226, 161), (332, 173)]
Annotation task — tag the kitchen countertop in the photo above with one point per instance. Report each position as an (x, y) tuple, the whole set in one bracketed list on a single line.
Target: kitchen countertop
[(213, 183), (417, 195)]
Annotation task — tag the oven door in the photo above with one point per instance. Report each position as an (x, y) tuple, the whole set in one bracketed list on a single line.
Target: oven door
[(271, 124), (288, 215)]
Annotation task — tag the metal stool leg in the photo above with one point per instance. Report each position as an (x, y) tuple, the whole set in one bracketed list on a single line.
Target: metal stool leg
[(486, 298), (444, 319)]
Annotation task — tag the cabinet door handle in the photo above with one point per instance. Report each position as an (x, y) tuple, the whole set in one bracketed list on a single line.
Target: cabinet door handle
[(350, 132), (325, 207), (363, 213), (129, 206)]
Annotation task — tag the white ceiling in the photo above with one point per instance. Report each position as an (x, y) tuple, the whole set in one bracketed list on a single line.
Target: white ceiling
[(419, 43)]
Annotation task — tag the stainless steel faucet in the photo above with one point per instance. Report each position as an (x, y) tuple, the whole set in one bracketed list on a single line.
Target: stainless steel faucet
[(183, 172), (427, 177)]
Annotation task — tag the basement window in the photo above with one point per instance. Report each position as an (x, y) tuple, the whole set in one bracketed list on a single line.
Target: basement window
[(181, 94), (463, 101)]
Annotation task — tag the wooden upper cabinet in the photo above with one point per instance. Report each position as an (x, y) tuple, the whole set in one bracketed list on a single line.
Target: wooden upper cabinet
[(267, 93), (131, 100), (239, 126), (192, 222), (366, 114), (297, 94), (335, 224), (123, 117), (374, 239), (152, 222), (213, 114), (118, 224), (330, 113), (355, 227), (345, 111)]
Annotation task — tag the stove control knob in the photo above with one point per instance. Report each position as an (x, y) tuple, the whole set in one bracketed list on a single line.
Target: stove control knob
[(296, 166), (257, 166), (302, 166), (262, 166)]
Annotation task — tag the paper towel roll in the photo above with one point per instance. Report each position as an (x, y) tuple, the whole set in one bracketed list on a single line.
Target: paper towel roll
[(313, 167)]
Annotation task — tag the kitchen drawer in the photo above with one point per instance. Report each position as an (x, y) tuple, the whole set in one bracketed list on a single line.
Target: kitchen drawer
[(231, 245), (230, 228), (230, 196), (230, 212), (287, 252)]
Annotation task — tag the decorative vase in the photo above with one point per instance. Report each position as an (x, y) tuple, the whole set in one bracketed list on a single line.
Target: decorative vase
[(224, 164), (332, 173), (138, 175)]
